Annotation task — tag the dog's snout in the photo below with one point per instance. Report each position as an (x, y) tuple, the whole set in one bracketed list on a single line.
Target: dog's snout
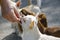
[(22, 20)]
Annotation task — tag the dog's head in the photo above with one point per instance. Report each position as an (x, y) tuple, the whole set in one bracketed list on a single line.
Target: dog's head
[(29, 18), (41, 20), (28, 22)]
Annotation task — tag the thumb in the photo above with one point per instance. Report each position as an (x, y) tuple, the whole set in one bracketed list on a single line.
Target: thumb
[(18, 3)]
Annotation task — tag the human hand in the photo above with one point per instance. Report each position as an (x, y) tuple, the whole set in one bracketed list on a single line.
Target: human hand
[(9, 10)]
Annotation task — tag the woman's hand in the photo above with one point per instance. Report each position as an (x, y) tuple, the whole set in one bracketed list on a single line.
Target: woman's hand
[(9, 11)]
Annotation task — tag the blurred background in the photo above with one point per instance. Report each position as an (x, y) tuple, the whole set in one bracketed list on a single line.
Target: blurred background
[(50, 7)]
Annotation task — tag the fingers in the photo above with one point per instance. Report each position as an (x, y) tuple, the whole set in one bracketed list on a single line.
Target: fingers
[(8, 17), (11, 16), (18, 3), (15, 15), (10, 12)]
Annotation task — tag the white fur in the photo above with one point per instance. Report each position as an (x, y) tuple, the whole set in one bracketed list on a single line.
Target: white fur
[(33, 34)]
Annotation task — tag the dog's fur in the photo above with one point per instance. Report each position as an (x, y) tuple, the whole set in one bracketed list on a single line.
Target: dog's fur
[(42, 24), (31, 31)]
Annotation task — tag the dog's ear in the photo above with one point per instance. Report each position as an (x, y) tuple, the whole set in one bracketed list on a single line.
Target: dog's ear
[(42, 22), (18, 3), (42, 18)]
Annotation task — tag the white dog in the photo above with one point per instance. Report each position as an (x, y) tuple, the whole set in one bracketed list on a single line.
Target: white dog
[(31, 31)]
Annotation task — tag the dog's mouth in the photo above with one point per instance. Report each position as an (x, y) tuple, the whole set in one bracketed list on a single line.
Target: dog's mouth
[(22, 17), (22, 20)]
